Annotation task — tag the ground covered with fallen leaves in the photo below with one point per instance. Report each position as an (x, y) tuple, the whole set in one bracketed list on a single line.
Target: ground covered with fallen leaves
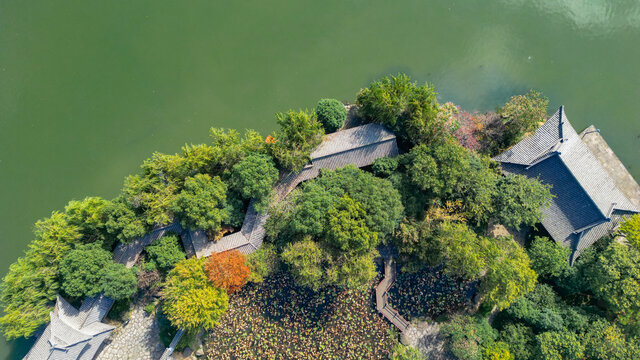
[(278, 320)]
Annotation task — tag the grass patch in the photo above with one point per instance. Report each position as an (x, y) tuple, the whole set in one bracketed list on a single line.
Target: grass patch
[(278, 320)]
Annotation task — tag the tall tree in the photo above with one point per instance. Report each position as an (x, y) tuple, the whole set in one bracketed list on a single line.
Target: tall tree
[(90, 216), (630, 228), (347, 230), (82, 270), (548, 258), (253, 177), (29, 289), (299, 134), (201, 205), (189, 299), (522, 114), (227, 270), (520, 199)]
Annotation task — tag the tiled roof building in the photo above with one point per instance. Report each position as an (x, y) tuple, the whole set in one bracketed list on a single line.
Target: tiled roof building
[(73, 333), (587, 202)]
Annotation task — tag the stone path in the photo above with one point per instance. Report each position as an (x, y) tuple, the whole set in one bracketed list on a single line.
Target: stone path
[(138, 339), (426, 338)]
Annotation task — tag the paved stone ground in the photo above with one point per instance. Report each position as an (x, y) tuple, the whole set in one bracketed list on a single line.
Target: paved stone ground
[(138, 339), (426, 338)]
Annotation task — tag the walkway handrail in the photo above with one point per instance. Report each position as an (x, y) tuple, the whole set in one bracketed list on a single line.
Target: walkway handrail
[(382, 296), (168, 351)]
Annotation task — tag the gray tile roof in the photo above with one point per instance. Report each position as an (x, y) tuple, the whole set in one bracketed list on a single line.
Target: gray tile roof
[(73, 334), (359, 146), (587, 203)]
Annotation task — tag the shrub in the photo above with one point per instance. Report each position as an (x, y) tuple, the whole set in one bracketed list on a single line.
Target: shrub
[(262, 263), (385, 166), (522, 114), (331, 113), (227, 270), (402, 352), (118, 282), (497, 351), (165, 252)]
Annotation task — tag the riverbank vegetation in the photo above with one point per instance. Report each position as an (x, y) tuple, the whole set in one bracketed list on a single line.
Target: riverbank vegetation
[(307, 292)]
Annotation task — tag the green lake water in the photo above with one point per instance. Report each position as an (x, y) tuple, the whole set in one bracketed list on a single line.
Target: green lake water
[(89, 89)]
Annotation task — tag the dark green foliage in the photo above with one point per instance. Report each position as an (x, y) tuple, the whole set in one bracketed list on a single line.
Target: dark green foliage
[(201, 205), (300, 133), (253, 177), (520, 339), (548, 258), (466, 336), (615, 279), (606, 341), (520, 200), (82, 270), (559, 346), (123, 224), (440, 170), (409, 110), (385, 166), (29, 289), (379, 200), (263, 262), (118, 282), (522, 114), (150, 196), (165, 252), (331, 113)]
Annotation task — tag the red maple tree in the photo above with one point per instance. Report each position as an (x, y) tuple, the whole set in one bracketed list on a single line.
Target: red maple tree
[(227, 270)]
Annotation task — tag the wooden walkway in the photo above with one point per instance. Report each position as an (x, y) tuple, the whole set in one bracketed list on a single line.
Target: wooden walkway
[(382, 296)]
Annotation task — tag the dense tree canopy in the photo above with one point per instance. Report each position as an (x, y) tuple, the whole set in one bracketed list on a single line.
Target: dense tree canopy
[(347, 230), (190, 301), (630, 228), (227, 270), (299, 134), (165, 252), (253, 177), (123, 224), (548, 258), (202, 203), (520, 201), (29, 289), (118, 282), (406, 108), (262, 263), (90, 216), (331, 113), (559, 346)]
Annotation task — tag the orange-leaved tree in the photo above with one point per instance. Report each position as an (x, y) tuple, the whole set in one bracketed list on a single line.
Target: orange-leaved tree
[(227, 270)]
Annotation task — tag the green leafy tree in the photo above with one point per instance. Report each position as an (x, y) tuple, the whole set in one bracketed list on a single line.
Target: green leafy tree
[(440, 170), (559, 346), (151, 197), (519, 201), (465, 336), (118, 282), (509, 275), (520, 340), (497, 351), (615, 279), (229, 148), (606, 341), (123, 224), (189, 299), (630, 228), (522, 114), (253, 177), (300, 133), (347, 230), (548, 258), (82, 270), (305, 261), (465, 254), (331, 113), (29, 289), (262, 262), (385, 166), (409, 110), (89, 216), (201, 205), (165, 252)]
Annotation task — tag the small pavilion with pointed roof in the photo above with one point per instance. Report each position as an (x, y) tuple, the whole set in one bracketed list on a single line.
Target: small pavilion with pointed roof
[(588, 202)]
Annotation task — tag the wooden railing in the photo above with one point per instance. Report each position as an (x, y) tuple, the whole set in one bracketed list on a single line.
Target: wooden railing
[(382, 296)]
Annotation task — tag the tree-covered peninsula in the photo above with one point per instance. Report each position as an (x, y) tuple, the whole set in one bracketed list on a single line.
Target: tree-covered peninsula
[(307, 292)]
